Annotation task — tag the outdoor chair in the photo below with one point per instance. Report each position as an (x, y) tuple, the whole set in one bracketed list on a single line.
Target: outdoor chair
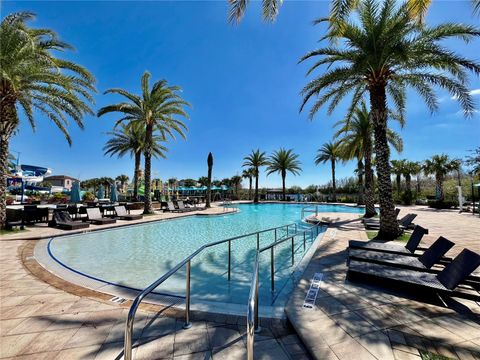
[(181, 206), (171, 208), (409, 248), (404, 223), (95, 217), (374, 219), (121, 213), (425, 261), (62, 220), (448, 281)]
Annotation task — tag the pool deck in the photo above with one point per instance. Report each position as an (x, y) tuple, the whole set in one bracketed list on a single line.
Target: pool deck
[(356, 321), (49, 319), (42, 231)]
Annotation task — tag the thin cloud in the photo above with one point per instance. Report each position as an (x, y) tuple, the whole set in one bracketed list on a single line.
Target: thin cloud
[(473, 92)]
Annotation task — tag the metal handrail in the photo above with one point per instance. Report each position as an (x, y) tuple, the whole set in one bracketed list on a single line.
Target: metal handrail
[(253, 325), (127, 349), (305, 209)]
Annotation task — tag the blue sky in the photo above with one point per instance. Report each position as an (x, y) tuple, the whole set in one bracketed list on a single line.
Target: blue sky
[(243, 82)]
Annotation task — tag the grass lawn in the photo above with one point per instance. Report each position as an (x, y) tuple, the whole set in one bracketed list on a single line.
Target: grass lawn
[(426, 355), (404, 237), (10, 232)]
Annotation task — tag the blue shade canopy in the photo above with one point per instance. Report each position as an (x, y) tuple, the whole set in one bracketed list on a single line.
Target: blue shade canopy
[(113, 193), (75, 196), (101, 192)]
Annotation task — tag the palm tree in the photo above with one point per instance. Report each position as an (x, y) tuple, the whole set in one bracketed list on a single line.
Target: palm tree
[(356, 139), (122, 179), (249, 174), (235, 182), (476, 6), (131, 140), (255, 160), (33, 78), (457, 167), (329, 152), (382, 55), (397, 169), (440, 166), (156, 110), (283, 161), (409, 168), (209, 179)]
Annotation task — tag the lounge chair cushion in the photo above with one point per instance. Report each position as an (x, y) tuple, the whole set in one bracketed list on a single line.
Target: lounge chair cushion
[(435, 252), (461, 266)]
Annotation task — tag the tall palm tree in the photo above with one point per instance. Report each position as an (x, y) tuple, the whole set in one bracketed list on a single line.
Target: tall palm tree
[(397, 169), (249, 174), (235, 182), (356, 139), (457, 167), (122, 179), (131, 140), (382, 54), (33, 79), (209, 179), (157, 110), (440, 166), (330, 152), (409, 168), (255, 160), (283, 161)]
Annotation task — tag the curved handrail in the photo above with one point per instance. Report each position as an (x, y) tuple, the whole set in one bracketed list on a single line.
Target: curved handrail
[(252, 307), (127, 349)]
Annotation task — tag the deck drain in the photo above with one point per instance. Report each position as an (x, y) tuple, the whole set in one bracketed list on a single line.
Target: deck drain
[(309, 302), (118, 300)]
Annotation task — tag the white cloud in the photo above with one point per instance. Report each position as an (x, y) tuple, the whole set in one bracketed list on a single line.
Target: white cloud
[(473, 92)]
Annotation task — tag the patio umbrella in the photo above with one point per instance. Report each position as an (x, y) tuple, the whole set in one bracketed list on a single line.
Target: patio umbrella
[(75, 193), (114, 194), (100, 192)]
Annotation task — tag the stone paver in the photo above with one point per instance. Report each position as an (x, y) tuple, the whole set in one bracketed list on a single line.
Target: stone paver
[(354, 320)]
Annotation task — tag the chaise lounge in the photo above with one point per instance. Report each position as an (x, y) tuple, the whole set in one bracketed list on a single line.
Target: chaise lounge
[(405, 222), (121, 213), (63, 220), (95, 217)]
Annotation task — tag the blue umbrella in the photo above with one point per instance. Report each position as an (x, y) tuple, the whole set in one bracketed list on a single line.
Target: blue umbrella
[(75, 193), (113, 193), (101, 192)]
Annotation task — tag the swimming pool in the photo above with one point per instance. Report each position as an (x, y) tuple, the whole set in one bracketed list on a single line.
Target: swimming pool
[(137, 255)]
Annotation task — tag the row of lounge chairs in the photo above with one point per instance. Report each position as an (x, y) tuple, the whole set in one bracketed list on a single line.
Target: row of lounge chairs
[(414, 267), (180, 209), (405, 222), (63, 220)]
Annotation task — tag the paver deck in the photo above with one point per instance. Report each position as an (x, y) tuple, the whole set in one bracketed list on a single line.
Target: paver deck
[(356, 321)]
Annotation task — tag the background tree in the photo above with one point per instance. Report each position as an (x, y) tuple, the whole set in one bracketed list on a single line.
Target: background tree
[(236, 182), (473, 161), (32, 79), (439, 166), (189, 182), (255, 160), (209, 181), (381, 50), (203, 180), (397, 170), (356, 138), (283, 161), (123, 179), (156, 110), (329, 152), (457, 167), (249, 174)]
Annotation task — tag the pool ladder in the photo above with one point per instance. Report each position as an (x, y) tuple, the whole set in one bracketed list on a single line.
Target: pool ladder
[(309, 209), (187, 263)]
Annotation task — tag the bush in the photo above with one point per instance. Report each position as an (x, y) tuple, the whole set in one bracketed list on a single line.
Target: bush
[(441, 204), (88, 196), (10, 200), (58, 198), (407, 198)]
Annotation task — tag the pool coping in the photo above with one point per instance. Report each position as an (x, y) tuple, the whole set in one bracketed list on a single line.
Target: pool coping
[(51, 266)]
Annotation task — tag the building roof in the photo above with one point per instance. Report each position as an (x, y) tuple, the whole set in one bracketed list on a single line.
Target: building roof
[(60, 177)]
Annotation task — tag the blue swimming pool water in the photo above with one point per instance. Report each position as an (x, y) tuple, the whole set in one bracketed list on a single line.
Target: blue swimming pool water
[(135, 256)]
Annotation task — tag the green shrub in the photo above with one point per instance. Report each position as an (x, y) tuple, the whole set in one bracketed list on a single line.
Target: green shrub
[(59, 198), (407, 198), (441, 204), (88, 196)]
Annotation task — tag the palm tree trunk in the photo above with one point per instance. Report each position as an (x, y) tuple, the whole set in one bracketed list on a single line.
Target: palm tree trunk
[(361, 188), (209, 188), (148, 168), (8, 114), (136, 173), (389, 228), (255, 199), (408, 183), (439, 187), (284, 175), (399, 180), (250, 188), (459, 178), (418, 185), (369, 186), (334, 187)]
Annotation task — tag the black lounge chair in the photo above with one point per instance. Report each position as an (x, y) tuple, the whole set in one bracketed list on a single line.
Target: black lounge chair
[(123, 215), (405, 222), (412, 243), (181, 206), (447, 281), (95, 217), (374, 219), (62, 220), (427, 260)]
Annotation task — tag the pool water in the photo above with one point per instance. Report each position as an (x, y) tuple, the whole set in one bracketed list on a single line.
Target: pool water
[(137, 255)]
